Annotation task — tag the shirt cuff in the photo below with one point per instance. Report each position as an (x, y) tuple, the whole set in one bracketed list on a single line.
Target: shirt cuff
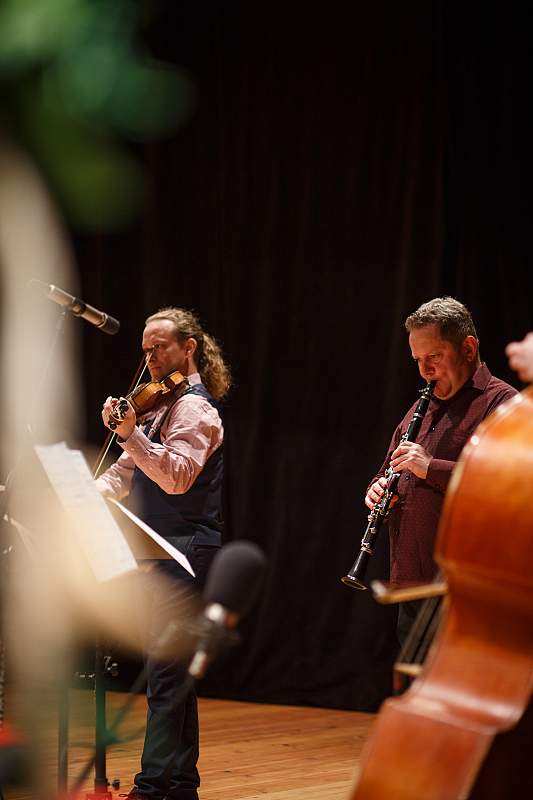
[(439, 472)]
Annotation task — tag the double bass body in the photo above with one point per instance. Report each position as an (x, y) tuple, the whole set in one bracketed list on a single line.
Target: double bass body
[(460, 730)]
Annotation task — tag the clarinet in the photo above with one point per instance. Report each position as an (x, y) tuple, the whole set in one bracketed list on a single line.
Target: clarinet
[(355, 576)]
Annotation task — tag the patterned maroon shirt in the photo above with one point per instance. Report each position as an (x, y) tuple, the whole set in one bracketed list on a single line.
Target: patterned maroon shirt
[(446, 428)]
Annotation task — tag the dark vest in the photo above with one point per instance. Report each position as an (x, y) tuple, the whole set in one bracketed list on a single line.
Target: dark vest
[(197, 513)]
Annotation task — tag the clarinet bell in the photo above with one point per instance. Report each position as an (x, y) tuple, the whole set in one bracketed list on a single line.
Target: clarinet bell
[(354, 578)]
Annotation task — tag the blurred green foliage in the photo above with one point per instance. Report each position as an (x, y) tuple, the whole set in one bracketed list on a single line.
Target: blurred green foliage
[(75, 82)]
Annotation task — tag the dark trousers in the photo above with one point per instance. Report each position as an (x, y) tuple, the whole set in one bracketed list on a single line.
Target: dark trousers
[(407, 613), (171, 745)]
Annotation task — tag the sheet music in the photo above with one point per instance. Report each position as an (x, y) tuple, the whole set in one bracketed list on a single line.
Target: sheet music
[(156, 537), (97, 533)]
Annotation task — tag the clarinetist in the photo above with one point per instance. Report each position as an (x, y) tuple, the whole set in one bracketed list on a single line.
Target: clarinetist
[(445, 346)]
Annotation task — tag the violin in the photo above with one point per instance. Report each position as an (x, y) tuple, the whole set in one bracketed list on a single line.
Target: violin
[(148, 396)]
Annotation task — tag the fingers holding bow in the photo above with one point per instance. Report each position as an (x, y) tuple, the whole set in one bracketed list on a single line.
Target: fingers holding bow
[(412, 457)]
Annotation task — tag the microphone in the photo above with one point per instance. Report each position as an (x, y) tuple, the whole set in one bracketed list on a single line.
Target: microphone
[(232, 585), (77, 307)]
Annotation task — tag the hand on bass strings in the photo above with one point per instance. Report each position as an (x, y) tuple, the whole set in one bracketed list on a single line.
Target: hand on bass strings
[(375, 493), (412, 457), (520, 355), (125, 427)]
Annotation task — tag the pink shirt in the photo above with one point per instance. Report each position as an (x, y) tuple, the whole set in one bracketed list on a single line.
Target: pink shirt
[(190, 433)]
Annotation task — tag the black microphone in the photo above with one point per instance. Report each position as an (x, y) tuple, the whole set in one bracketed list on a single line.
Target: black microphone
[(77, 307), (232, 585)]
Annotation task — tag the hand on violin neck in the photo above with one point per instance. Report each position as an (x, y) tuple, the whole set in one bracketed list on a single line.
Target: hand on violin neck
[(119, 416)]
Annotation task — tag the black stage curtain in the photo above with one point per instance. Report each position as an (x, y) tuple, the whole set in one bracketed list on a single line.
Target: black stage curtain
[(341, 168)]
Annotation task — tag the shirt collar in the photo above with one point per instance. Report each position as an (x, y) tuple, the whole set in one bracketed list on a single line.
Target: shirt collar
[(194, 378), (480, 379)]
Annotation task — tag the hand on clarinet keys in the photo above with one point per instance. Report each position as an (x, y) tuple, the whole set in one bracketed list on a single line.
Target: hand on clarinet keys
[(412, 457), (375, 493)]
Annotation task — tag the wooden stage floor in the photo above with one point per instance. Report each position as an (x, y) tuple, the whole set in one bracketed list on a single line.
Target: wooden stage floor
[(248, 750)]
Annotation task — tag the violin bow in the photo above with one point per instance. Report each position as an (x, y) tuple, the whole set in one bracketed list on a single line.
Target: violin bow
[(110, 438)]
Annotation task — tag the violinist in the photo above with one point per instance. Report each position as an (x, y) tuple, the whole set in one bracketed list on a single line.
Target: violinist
[(171, 471), (445, 346)]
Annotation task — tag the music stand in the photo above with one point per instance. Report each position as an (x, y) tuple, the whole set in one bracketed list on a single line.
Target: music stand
[(113, 539)]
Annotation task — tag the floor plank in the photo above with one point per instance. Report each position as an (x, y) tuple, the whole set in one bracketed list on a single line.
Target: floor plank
[(249, 751)]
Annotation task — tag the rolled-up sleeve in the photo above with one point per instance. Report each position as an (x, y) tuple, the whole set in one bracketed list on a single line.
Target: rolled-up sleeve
[(191, 433)]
